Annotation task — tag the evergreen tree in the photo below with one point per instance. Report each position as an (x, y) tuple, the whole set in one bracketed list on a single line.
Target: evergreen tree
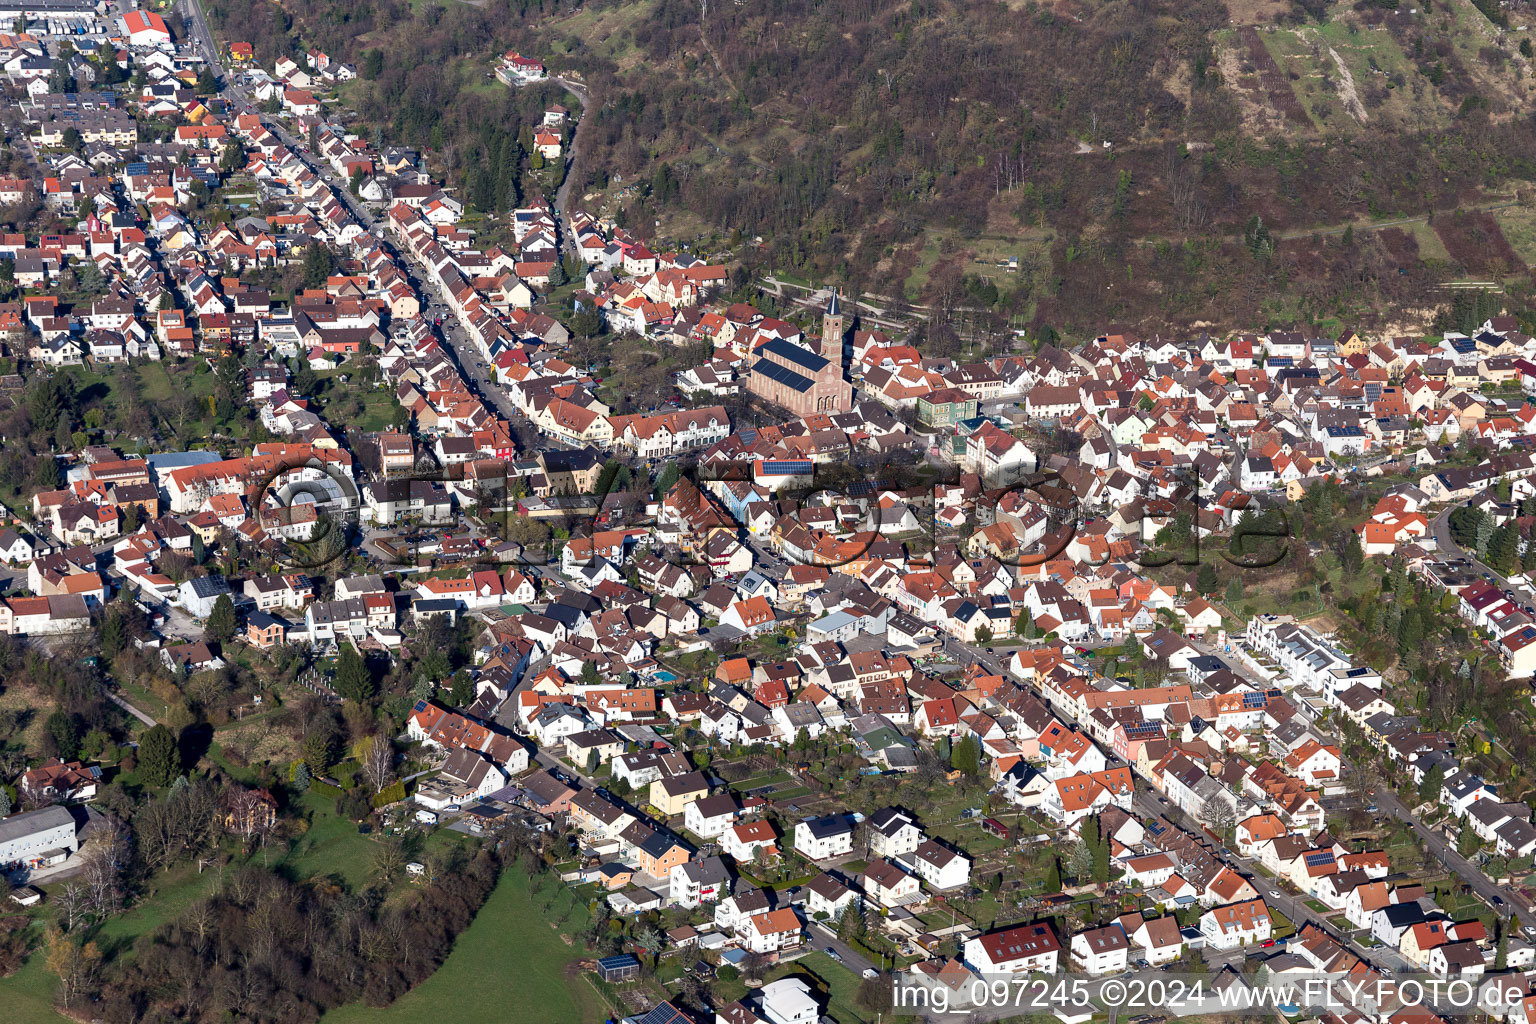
[(1053, 876), (159, 759), (5, 801), (1410, 633), (965, 756), (221, 621), (318, 264), (669, 475), (1354, 556), (1206, 580), (65, 733), (1429, 789), (1503, 548), (353, 679), (1100, 849), (299, 776), (114, 633)]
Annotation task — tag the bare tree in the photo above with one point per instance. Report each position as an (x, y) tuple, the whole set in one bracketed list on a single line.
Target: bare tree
[(379, 762), (1220, 815), (71, 905), (389, 858), (104, 865)]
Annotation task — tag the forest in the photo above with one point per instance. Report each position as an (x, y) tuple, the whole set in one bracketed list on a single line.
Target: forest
[(861, 140)]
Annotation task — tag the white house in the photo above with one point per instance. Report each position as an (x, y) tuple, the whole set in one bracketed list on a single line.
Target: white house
[(1236, 924), (1028, 948), (938, 866), (1103, 950), (710, 816), (771, 932), (699, 881), (824, 838), (888, 885), (893, 833), (827, 897)]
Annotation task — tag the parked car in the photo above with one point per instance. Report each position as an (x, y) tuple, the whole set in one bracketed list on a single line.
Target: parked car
[(834, 954)]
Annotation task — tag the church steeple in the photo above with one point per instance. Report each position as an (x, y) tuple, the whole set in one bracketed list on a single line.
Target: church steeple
[(832, 331)]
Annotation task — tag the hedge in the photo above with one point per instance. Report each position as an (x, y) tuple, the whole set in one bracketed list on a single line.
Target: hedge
[(391, 794), (324, 789)]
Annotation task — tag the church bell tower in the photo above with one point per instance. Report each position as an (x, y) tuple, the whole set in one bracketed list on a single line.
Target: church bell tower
[(832, 332)]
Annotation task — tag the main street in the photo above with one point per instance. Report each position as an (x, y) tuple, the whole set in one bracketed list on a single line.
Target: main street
[(466, 352)]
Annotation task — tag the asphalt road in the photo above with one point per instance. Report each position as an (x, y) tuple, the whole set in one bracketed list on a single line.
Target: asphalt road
[(1440, 529), (1442, 850)]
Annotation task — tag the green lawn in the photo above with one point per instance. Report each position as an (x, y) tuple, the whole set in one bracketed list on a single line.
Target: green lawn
[(507, 966), (837, 982)]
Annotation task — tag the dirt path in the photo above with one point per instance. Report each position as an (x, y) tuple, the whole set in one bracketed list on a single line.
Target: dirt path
[(1347, 94)]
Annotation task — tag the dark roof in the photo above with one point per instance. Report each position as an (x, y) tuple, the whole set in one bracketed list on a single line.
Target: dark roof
[(787, 377)]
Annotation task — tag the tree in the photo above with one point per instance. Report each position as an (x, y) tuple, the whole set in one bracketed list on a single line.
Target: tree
[(159, 758), (221, 621), (65, 733), (299, 776), (46, 473), (1099, 848), (1429, 788), (1220, 816), (231, 157), (965, 756), (1079, 862), (75, 962), (1354, 558), (851, 925), (318, 264), (586, 324), (353, 679), (379, 762), (207, 85), (984, 635), (874, 996), (1053, 876), (1206, 579)]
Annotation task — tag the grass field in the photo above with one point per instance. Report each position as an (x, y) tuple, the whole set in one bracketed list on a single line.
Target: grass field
[(507, 966)]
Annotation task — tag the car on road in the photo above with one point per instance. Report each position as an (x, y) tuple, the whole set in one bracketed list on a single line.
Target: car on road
[(871, 973), (834, 954), (1273, 894)]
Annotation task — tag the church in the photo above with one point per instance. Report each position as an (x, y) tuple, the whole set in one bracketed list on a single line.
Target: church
[(799, 379)]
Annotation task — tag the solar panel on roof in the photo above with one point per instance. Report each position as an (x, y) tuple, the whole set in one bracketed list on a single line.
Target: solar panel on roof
[(783, 375), (795, 353), (1318, 858)]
